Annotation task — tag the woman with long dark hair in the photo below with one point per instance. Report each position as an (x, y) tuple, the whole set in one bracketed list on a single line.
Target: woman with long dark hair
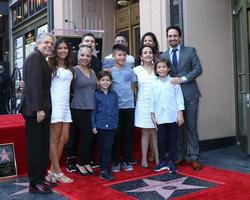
[(62, 74), (149, 39)]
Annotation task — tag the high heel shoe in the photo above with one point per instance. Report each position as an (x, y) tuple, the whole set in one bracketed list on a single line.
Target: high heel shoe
[(83, 173), (89, 169)]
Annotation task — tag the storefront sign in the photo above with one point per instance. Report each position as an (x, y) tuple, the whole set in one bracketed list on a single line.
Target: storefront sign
[(26, 9)]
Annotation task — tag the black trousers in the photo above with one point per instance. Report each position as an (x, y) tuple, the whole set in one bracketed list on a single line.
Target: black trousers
[(81, 130), (37, 135), (105, 140), (124, 136), (167, 141)]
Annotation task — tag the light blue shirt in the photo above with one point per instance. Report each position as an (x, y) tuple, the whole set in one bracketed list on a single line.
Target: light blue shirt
[(166, 100), (122, 83)]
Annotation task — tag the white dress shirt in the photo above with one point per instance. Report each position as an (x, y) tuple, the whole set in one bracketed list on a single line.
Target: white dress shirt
[(166, 100)]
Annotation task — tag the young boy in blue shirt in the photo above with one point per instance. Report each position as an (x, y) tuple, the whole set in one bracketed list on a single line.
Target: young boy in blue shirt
[(123, 83), (105, 121)]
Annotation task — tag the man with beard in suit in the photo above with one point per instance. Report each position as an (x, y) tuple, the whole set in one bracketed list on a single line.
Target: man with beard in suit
[(185, 69)]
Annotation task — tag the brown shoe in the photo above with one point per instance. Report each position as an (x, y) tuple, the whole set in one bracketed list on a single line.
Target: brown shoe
[(179, 161), (196, 165)]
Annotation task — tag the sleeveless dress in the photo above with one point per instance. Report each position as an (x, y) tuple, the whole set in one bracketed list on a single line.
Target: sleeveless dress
[(142, 108), (60, 94)]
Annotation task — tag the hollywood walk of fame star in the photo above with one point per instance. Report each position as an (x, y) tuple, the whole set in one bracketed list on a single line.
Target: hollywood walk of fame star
[(25, 190), (166, 189), (5, 156)]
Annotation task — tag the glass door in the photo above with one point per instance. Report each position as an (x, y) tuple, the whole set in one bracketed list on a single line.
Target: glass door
[(242, 43)]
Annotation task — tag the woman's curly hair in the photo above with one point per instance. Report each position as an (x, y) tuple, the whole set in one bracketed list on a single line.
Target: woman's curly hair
[(53, 58)]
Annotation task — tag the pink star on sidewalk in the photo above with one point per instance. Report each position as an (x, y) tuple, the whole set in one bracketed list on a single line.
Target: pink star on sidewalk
[(165, 189), (4, 156)]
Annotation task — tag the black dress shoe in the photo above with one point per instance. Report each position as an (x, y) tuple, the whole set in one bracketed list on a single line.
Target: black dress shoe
[(49, 184), (40, 189)]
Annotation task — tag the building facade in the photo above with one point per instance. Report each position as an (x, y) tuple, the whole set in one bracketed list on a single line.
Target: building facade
[(219, 30)]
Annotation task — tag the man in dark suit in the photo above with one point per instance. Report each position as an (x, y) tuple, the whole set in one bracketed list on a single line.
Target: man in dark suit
[(185, 69), (35, 107)]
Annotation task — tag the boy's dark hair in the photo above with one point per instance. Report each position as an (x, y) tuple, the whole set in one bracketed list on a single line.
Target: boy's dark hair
[(88, 34), (167, 62), (101, 74), (174, 27), (119, 47)]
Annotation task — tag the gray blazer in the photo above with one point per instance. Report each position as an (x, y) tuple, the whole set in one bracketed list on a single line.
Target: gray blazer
[(188, 66)]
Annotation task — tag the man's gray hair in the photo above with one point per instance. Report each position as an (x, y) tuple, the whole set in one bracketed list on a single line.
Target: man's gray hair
[(42, 35)]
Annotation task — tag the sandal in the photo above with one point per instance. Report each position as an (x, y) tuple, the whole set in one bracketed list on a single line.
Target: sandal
[(62, 178), (144, 165), (50, 177)]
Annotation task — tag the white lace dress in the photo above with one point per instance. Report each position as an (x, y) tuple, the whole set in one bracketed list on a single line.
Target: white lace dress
[(60, 94), (142, 108)]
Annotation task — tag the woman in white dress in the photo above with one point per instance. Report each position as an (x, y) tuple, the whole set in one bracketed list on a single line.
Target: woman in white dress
[(62, 74), (145, 76)]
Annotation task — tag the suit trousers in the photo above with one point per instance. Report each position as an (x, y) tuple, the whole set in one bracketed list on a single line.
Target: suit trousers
[(105, 140), (37, 135), (167, 141), (188, 141), (124, 136)]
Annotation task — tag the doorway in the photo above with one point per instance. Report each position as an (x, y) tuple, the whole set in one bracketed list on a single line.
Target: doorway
[(127, 22), (242, 71)]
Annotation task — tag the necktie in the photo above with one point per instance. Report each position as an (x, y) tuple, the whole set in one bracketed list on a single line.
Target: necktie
[(174, 59)]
